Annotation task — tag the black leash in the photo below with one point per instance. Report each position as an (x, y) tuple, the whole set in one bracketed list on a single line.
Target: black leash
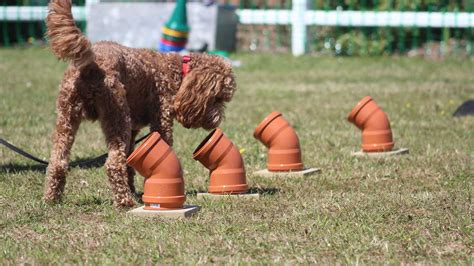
[(21, 152), (93, 161)]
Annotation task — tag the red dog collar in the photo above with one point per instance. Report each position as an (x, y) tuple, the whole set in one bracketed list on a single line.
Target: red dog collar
[(185, 68)]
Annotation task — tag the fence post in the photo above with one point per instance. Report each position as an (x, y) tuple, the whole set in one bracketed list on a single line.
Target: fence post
[(298, 27)]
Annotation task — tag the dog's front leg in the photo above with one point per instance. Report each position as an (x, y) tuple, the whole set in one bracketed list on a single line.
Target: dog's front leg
[(165, 128), (162, 121), (130, 170)]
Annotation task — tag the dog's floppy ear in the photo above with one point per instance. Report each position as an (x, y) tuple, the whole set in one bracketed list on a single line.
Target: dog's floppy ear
[(198, 90)]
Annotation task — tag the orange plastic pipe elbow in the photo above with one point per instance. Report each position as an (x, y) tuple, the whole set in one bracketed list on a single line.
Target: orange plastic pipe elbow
[(164, 185), (375, 126), (284, 152), (227, 172)]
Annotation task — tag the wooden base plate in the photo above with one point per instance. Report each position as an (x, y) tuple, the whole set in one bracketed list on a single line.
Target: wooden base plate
[(227, 196), (381, 154), (307, 171), (185, 212)]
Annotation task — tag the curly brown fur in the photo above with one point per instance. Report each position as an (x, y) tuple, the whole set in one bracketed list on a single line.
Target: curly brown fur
[(65, 38), (126, 89)]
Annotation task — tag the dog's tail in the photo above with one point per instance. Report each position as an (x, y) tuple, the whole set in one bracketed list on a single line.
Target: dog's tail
[(65, 38)]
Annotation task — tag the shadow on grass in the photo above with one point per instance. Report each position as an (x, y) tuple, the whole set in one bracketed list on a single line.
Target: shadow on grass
[(15, 168), (95, 200), (253, 190), (92, 201), (193, 192), (138, 197), (86, 163), (264, 191)]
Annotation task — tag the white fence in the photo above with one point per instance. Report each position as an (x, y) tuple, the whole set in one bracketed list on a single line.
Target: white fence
[(299, 17), (361, 18), (34, 13)]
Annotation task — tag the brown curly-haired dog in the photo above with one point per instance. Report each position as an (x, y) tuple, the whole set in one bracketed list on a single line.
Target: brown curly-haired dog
[(126, 89)]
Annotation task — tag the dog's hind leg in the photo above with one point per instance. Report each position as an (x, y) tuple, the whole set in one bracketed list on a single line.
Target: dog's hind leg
[(68, 109), (116, 125)]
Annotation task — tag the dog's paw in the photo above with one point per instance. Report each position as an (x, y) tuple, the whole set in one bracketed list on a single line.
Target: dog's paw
[(52, 199), (126, 203)]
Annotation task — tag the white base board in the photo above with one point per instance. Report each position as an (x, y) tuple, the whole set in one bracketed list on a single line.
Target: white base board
[(185, 212), (227, 196), (307, 171), (381, 154)]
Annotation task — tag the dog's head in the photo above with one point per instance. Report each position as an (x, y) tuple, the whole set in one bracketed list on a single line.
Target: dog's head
[(201, 98)]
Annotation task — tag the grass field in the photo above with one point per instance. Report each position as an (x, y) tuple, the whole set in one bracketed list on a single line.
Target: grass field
[(414, 208)]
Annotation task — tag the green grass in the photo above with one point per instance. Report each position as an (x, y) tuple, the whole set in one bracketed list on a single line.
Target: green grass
[(414, 208)]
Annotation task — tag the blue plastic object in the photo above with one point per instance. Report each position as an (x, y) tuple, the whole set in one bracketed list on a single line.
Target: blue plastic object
[(169, 48)]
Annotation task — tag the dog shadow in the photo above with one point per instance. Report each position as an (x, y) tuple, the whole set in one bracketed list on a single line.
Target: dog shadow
[(16, 168), (83, 163)]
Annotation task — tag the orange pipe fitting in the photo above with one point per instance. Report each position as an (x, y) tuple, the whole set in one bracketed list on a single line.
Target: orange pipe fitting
[(375, 126), (164, 185), (284, 152), (227, 172)]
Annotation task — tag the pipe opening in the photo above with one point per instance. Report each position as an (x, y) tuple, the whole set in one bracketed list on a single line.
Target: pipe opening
[(204, 142), (143, 148), (265, 122)]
